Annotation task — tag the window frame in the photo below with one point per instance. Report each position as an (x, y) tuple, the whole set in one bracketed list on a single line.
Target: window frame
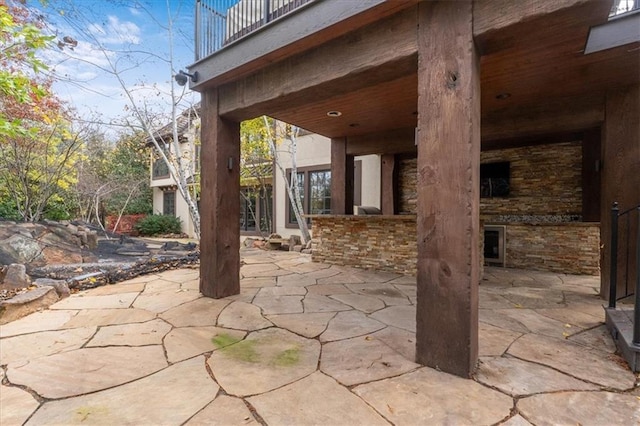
[(164, 202), (289, 217)]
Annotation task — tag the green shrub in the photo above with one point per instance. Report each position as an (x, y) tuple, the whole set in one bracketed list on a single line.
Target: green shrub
[(159, 224), (8, 210)]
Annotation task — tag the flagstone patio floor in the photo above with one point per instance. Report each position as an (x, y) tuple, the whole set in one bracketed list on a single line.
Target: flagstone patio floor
[(309, 343)]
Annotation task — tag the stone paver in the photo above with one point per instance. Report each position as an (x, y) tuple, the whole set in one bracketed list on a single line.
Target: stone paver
[(242, 316), (200, 312), (295, 280), (16, 405), (360, 302), (137, 334), (245, 359), (186, 342), (258, 282), (573, 317), (597, 338), (398, 316), (576, 360), (273, 305), (430, 397), (87, 301), (328, 289), (86, 370), (349, 324), (224, 410), (401, 341), (161, 301), (265, 360), (516, 420), (99, 317), (494, 340), (362, 360), (541, 324), (38, 321), (385, 292), (581, 408), (319, 303), (317, 399), (168, 397), (518, 378), (118, 288), (307, 325), (35, 345)]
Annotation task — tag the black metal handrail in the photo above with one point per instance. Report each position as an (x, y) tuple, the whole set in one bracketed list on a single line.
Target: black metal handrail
[(613, 277), (620, 7), (219, 23)]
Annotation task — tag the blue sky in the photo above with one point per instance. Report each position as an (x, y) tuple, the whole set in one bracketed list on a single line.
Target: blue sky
[(129, 36)]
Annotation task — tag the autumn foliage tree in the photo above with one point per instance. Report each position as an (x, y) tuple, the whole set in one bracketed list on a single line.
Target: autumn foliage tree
[(38, 145)]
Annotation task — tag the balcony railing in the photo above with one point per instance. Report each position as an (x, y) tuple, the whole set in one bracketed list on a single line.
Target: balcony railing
[(221, 22), (620, 7)]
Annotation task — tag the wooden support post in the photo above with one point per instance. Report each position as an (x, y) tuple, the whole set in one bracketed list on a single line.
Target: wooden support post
[(620, 181), (341, 177), (387, 186), (219, 202), (591, 164), (448, 188)]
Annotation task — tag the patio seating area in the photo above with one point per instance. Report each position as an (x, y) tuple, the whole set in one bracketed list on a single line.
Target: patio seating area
[(311, 343)]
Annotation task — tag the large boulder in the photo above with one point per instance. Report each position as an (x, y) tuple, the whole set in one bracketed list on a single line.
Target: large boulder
[(35, 244), (18, 246), (15, 277)]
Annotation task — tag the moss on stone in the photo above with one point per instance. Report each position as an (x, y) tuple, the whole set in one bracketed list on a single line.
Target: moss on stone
[(287, 358), (223, 339)]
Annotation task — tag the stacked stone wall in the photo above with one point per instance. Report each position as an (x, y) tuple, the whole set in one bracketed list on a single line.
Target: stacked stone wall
[(388, 243), (545, 180), (383, 243), (565, 248)]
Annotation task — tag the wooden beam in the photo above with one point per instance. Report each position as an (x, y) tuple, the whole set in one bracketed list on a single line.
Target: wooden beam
[(620, 181), (219, 202), (591, 165), (491, 16), (342, 175), (448, 188), (388, 184), (397, 141), (388, 41)]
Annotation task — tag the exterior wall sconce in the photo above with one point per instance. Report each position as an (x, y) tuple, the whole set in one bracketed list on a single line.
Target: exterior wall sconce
[(182, 77)]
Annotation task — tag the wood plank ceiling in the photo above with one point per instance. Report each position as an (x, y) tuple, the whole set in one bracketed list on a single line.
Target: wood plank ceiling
[(523, 66)]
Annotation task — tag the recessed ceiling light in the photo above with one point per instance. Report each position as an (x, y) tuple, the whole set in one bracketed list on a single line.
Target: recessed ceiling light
[(503, 95), (334, 113)]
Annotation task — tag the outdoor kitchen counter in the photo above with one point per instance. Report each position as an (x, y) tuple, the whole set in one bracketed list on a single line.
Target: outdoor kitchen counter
[(408, 217), (388, 243), (380, 242)]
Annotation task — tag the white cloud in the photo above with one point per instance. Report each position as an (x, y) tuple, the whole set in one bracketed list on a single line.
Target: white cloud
[(134, 11), (116, 32)]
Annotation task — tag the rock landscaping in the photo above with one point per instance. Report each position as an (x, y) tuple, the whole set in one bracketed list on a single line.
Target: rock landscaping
[(41, 263)]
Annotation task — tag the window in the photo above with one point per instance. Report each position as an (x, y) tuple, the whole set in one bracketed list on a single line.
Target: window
[(315, 192), (320, 192), (248, 209), (169, 203), (292, 216), (256, 205), (160, 169)]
